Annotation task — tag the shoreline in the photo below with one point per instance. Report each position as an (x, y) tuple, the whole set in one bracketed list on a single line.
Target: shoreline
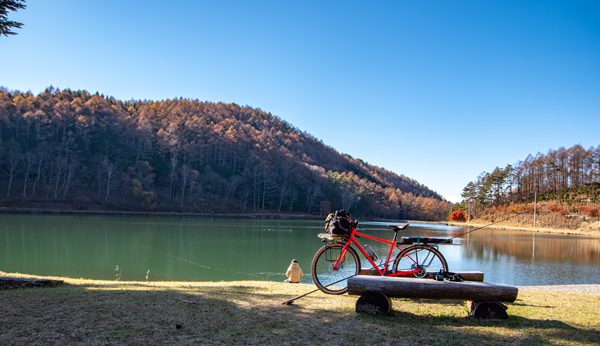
[(575, 288), (283, 216), (266, 215), (571, 232), (46, 211)]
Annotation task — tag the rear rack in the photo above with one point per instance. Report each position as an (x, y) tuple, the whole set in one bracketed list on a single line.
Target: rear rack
[(331, 237), (423, 240)]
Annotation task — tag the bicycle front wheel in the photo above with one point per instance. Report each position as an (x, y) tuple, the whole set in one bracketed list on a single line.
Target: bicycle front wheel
[(328, 279), (424, 258)]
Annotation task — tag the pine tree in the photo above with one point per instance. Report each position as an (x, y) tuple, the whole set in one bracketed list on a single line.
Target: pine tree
[(7, 25)]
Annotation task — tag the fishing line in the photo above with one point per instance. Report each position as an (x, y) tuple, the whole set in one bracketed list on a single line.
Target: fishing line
[(478, 228), (204, 266)]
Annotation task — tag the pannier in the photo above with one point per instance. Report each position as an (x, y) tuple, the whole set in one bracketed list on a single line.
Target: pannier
[(339, 223)]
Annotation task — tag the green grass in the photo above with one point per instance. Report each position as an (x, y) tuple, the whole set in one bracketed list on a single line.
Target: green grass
[(245, 312)]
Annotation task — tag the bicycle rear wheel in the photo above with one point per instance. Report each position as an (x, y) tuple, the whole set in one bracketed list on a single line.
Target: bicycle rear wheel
[(425, 258), (328, 279)]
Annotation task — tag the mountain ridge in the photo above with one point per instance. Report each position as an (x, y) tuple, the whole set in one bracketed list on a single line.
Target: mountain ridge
[(188, 155)]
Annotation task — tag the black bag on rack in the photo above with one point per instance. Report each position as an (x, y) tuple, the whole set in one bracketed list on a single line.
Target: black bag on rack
[(339, 223)]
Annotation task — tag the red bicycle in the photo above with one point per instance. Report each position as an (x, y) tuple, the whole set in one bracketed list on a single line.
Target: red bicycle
[(337, 261)]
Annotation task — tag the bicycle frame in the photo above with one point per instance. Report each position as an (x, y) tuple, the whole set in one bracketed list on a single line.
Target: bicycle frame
[(355, 234)]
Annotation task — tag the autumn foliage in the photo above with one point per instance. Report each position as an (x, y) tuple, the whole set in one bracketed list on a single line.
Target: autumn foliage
[(458, 215), (81, 150)]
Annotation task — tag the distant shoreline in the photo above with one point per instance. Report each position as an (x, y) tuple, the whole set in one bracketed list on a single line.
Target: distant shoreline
[(577, 232), (266, 215), (46, 211)]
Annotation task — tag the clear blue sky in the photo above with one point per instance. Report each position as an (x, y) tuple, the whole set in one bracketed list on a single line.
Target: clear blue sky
[(436, 90)]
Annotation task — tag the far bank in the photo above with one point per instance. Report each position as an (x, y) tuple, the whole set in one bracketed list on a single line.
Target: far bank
[(593, 231)]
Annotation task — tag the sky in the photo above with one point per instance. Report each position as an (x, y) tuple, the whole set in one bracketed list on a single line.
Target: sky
[(438, 91)]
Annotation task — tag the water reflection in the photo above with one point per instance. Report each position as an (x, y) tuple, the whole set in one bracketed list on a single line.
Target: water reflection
[(530, 246)]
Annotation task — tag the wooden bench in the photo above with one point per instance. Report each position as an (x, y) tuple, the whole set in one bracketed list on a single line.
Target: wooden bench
[(484, 300)]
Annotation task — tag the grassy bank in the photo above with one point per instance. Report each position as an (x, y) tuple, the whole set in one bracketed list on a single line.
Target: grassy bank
[(246, 312)]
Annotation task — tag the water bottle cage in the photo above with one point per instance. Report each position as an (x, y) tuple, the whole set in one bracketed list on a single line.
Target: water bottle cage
[(371, 253)]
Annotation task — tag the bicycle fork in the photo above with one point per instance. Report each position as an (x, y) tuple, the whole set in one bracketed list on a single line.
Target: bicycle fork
[(341, 258)]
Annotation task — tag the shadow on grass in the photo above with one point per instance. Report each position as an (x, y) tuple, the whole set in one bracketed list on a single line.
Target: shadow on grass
[(520, 303), (243, 314), (464, 329)]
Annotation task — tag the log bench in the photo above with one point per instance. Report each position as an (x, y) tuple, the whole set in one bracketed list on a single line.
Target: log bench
[(484, 300)]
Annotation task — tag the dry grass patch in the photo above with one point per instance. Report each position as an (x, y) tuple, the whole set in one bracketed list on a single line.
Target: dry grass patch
[(247, 312)]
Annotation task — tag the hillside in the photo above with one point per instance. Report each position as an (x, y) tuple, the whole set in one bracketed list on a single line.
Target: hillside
[(79, 150), (561, 187)]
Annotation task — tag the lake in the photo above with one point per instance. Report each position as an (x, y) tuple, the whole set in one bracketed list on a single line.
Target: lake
[(185, 248)]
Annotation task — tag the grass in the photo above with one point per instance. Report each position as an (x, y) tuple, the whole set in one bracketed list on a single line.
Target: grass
[(250, 312)]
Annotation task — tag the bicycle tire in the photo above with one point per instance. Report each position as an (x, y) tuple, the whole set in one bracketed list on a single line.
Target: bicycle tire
[(323, 273), (426, 263)]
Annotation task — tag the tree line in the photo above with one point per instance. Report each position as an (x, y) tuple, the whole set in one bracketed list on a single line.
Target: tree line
[(84, 150), (569, 175)]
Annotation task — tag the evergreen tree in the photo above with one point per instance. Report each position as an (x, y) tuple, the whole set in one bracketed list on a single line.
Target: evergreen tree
[(7, 25)]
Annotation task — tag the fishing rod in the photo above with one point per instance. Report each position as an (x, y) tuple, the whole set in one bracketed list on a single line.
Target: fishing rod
[(289, 302), (449, 240)]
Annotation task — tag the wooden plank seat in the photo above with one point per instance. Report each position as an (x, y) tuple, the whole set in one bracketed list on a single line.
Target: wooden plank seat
[(484, 300), (467, 275)]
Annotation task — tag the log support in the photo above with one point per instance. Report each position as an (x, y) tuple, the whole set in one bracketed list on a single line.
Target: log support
[(487, 310), (373, 303)]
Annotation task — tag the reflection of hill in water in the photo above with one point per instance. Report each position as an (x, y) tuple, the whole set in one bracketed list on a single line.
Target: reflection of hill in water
[(489, 244)]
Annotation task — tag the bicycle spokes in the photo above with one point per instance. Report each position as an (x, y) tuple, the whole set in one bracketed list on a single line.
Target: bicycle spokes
[(427, 261), (419, 260), (332, 265)]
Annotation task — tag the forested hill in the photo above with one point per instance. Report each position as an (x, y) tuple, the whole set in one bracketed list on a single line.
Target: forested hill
[(569, 175), (561, 188), (82, 150)]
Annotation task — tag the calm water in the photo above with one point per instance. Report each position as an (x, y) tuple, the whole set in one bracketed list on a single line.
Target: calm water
[(234, 249)]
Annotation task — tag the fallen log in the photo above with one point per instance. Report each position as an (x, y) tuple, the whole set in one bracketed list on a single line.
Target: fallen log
[(8, 283)]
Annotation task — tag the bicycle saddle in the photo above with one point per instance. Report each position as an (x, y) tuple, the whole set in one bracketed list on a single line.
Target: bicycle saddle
[(397, 228)]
